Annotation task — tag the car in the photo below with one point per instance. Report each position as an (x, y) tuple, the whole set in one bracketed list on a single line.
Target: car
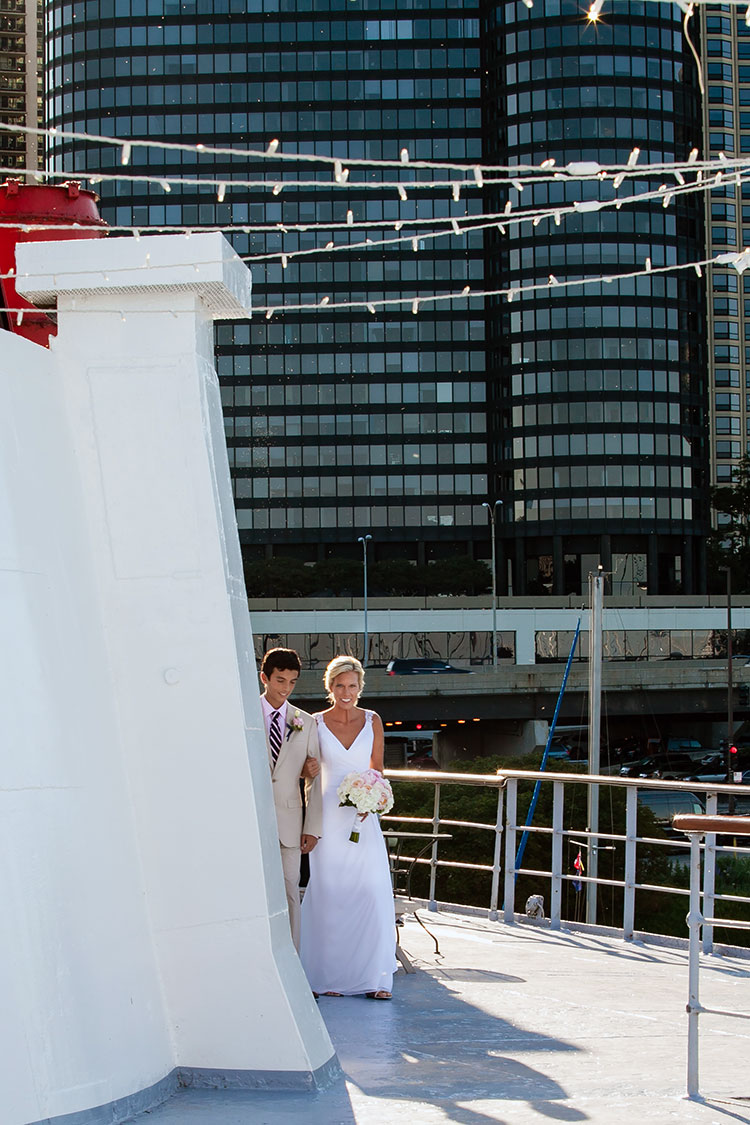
[(671, 767), (711, 768), (423, 760), (560, 751), (421, 666), (666, 803)]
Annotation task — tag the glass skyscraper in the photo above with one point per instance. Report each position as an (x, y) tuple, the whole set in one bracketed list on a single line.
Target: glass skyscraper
[(20, 81), (582, 409), (727, 128), (603, 444)]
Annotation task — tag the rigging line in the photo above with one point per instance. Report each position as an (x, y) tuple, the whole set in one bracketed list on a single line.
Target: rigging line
[(545, 755)]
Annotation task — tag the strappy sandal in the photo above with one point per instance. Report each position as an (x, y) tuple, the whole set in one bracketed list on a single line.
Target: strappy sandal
[(333, 994), (380, 995)]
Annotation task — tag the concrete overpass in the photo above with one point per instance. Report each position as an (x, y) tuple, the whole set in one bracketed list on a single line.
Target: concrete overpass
[(693, 687), (505, 710)]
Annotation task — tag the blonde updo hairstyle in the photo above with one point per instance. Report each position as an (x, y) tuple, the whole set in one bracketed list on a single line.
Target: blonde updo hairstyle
[(337, 667)]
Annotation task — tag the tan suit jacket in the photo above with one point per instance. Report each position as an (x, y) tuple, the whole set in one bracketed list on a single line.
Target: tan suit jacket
[(285, 776)]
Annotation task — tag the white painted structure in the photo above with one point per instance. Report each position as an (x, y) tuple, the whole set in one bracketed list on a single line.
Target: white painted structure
[(144, 936)]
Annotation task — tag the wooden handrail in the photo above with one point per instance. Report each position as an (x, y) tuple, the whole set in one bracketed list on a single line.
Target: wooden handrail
[(726, 825)]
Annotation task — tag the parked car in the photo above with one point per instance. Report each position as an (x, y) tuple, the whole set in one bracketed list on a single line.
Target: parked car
[(421, 666), (671, 767), (423, 760), (560, 750), (712, 768), (666, 803)]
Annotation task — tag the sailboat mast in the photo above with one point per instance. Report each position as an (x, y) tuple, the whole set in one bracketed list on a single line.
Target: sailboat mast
[(596, 597)]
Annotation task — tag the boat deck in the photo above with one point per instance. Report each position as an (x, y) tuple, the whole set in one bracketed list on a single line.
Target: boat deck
[(516, 1025)]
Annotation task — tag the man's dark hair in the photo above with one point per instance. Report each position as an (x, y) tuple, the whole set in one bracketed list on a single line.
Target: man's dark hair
[(280, 660)]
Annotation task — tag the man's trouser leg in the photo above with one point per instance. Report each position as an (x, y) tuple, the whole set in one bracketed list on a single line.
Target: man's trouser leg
[(290, 862)]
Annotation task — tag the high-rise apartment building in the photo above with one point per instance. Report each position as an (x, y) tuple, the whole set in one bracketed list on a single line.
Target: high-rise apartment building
[(20, 81), (603, 444), (726, 65), (583, 409)]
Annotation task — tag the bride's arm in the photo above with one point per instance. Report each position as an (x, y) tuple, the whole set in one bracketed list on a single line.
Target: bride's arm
[(378, 743)]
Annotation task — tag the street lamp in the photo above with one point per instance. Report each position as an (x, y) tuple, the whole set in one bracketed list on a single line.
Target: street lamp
[(364, 540), (492, 513)]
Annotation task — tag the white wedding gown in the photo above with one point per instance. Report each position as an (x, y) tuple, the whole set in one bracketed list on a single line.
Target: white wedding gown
[(348, 936)]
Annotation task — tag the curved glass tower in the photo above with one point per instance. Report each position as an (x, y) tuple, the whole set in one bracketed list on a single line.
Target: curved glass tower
[(338, 423), (583, 409), (600, 389)]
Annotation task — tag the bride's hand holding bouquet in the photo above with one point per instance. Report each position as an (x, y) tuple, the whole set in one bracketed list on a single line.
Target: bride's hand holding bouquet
[(366, 791)]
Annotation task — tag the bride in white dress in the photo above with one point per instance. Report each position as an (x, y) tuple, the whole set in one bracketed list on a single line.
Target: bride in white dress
[(348, 936)]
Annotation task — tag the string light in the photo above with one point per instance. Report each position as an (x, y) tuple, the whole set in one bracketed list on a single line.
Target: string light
[(739, 261), (475, 174), (588, 170), (476, 222)]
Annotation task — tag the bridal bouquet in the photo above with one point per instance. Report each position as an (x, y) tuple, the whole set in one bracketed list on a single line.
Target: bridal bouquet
[(367, 792)]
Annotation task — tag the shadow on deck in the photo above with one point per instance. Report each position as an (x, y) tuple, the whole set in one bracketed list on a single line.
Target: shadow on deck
[(516, 1025)]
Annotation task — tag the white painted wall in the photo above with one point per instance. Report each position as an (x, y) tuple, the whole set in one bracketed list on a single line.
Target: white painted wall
[(144, 918)]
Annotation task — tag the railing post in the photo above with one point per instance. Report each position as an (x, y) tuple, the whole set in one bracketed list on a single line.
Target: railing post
[(496, 857), (631, 833), (694, 920), (509, 905), (558, 790), (432, 904), (709, 876)]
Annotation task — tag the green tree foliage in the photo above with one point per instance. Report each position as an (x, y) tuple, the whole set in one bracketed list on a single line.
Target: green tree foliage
[(397, 577), (278, 578), (289, 578), (340, 578), (730, 545)]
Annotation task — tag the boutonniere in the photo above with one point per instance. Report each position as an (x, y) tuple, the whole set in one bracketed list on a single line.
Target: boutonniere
[(295, 723)]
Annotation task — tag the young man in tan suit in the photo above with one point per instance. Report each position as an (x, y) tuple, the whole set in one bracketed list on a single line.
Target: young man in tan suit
[(292, 740)]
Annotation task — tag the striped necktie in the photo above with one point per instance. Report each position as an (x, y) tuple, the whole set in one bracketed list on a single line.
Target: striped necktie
[(274, 735)]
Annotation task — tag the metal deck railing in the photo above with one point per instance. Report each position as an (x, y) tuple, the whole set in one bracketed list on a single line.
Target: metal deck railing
[(700, 841), (503, 837)]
